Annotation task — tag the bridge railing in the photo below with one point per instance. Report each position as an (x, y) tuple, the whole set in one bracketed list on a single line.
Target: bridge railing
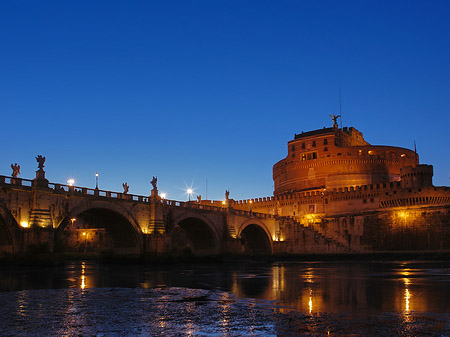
[(192, 204), (16, 181), (77, 190), (253, 214), (74, 190)]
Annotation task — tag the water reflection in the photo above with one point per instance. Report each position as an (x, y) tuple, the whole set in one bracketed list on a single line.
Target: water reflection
[(358, 288), (22, 304), (83, 276)]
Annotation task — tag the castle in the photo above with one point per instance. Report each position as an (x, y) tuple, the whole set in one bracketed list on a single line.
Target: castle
[(365, 197)]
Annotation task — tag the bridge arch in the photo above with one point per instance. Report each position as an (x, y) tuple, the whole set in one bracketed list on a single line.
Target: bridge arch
[(10, 232), (256, 237), (196, 233), (100, 226)]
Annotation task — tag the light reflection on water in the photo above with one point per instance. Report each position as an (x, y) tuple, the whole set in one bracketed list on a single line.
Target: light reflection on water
[(357, 288)]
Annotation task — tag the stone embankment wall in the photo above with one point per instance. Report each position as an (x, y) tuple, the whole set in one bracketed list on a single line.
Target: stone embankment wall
[(380, 217)]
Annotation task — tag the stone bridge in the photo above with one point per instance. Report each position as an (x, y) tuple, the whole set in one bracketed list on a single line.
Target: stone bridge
[(36, 214)]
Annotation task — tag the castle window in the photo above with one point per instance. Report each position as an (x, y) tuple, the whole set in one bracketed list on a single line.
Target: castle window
[(303, 145), (339, 154), (293, 148), (293, 154), (325, 141), (325, 148), (314, 143), (309, 156)]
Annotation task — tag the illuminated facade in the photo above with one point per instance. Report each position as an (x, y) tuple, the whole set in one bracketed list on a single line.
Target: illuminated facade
[(333, 158), (360, 196)]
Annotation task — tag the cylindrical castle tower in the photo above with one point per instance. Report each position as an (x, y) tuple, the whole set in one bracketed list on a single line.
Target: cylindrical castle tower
[(331, 158)]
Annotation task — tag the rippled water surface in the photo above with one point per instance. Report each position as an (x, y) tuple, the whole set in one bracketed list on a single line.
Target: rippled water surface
[(338, 298)]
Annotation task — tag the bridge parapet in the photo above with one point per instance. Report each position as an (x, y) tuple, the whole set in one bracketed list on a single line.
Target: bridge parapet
[(27, 184)]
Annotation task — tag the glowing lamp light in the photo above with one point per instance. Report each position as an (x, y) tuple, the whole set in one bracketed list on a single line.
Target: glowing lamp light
[(189, 192), (71, 182), (163, 195), (84, 233), (224, 202), (24, 224)]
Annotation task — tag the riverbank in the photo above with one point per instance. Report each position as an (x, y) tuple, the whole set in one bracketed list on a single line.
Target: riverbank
[(37, 258)]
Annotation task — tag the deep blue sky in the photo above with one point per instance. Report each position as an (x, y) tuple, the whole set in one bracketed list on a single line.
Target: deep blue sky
[(191, 91)]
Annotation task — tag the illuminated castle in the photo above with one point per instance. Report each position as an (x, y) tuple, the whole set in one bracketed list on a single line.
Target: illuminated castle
[(366, 197), (333, 158)]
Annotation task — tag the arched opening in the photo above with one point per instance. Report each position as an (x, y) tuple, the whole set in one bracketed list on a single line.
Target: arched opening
[(97, 231), (256, 241), (195, 236)]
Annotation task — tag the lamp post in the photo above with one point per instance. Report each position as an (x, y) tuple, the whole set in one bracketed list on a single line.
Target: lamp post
[(72, 221), (96, 181), (189, 192)]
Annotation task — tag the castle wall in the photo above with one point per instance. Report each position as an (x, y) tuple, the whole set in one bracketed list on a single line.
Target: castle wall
[(379, 217)]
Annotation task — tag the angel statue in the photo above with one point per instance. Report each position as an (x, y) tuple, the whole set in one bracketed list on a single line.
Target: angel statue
[(227, 194), (41, 161), (125, 188), (153, 182), (334, 118), (16, 170)]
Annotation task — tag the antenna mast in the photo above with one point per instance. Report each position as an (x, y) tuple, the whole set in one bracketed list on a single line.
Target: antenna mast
[(340, 106)]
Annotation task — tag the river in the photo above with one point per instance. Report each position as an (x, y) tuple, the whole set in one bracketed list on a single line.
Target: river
[(87, 298)]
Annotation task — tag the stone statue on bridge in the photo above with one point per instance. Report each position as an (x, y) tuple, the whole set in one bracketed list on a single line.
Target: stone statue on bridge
[(41, 161), (16, 170), (227, 194), (199, 198), (153, 182), (125, 188)]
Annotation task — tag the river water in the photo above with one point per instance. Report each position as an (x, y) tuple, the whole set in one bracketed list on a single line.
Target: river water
[(86, 298)]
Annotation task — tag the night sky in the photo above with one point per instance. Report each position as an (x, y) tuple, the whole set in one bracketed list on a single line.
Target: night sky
[(196, 91)]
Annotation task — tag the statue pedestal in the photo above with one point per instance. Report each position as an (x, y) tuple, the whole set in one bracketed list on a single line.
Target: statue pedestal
[(154, 193), (40, 180)]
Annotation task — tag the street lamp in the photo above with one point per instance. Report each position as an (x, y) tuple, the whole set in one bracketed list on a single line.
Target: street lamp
[(189, 192), (73, 220), (96, 181), (71, 182)]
